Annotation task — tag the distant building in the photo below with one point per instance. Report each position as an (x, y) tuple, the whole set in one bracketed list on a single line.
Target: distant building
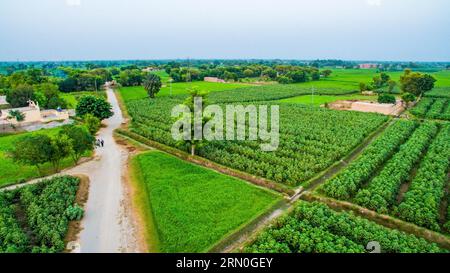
[(213, 79), (150, 69), (368, 66)]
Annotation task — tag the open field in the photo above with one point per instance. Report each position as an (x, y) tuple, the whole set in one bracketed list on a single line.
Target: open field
[(315, 228), (11, 172), (193, 208), (138, 92), (36, 218)]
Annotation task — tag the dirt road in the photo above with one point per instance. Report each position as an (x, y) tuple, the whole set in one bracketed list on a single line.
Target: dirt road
[(107, 224)]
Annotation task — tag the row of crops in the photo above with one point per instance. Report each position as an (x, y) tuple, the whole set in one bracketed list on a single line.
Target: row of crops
[(439, 92), (432, 108), (401, 156), (311, 139), (315, 228), (35, 218)]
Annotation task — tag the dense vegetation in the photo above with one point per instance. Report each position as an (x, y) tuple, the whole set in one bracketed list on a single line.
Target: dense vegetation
[(421, 204), (382, 191), (347, 182), (315, 228), (433, 108), (311, 138), (193, 207), (35, 218)]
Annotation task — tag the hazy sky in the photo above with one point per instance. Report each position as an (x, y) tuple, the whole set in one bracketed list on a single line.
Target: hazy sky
[(287, 29)]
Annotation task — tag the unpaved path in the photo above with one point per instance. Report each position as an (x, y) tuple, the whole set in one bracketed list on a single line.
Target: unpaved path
[(108, 225)]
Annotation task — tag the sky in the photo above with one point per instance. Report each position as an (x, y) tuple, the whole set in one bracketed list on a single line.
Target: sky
[(397, 30)]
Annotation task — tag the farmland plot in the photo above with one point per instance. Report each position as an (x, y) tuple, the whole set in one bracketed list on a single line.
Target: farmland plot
[(433, 108), (315, 228), (311, 139), (36, 218)]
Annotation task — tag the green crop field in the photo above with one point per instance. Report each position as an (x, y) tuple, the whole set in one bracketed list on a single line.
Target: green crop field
[(138, 92), (315, 228), (35, 218), (193, 208), (12, 172), (322, 99)]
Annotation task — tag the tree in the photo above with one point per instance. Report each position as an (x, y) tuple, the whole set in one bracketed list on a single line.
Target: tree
[(416, 83), (32, 150), (19, 96), (326, 73), (152, 83), (362, 87), (192, 143), (92, 123), (61, 148), (82, 140), (96, 106), (392, 84)]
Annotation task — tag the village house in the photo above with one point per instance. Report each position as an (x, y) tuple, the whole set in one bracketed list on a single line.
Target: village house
[(368, 66), (33, 115)]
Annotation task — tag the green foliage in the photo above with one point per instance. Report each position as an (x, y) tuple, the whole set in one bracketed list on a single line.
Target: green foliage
[(96, 106), (408, 97), (92, 123), (348, 181), (315, 228), (416, 83), (194, 207), (74, 213), (16, 114), (19, 96), (45, 206), (422, 201), (81, 140), (386, 98), (32, 150), (311, 138), (152, 83), (432, 108), (382, 191)]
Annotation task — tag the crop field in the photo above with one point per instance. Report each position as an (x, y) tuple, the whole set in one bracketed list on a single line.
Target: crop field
[(311, 139), (12, 172), (315, 228), (138, 92), (193, 208), (318, 100), (432, 108), (400, 173), (35, 218)]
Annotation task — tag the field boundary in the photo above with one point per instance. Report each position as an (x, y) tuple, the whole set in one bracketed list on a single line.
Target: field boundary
[(209, 164), (382, 219), (336, 167)]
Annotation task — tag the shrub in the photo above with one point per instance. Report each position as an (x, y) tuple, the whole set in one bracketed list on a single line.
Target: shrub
[(74, 213), (96, 106), (386, 98)]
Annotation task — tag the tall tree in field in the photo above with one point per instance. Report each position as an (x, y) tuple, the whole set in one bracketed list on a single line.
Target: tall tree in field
[(192, 144), (19, 96), (326, 73), (32, 150), (416, 83), (152, 83)]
